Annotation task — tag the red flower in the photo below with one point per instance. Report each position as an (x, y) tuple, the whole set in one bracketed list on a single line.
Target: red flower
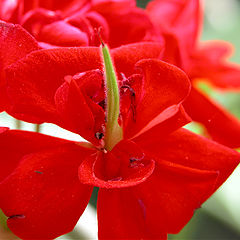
[(151, 173), (180, 22), (74, 23)]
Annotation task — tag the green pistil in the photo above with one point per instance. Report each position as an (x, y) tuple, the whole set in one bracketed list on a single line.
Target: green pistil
[(113, 131)]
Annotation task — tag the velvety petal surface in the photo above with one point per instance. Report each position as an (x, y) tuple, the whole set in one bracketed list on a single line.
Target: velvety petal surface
[(13, 147), (32, 82), (192, 150), (141, 212), (43, 197), (220, 124), (15, 43), (163, 86)]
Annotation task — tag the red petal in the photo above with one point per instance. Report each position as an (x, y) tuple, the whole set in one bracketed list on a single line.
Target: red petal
[(74, 102), (142, 212), (126, 56), (183, 17), (177, 118), (13, 146), (163, 86), (43, 197), (53, 4), (128, 27), (209, 62), (124, 166), (33, 81), (63, 34), (7, 9), (191, 150), (110, 6), (221, 125), (15, 44)]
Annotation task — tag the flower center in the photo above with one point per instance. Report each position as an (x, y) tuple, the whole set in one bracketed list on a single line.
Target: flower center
[(114, 132)]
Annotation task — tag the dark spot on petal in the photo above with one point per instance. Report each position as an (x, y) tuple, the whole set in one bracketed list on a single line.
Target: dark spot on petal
[(115, 179), (17, 216), (38, 172), (143, 207)]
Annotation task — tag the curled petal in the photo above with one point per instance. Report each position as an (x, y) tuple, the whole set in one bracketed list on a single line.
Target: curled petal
[(163, 86), (173, 118), (124, 166), (63, 34), (126, 56), (152, 214), (220, 124), (43, 197), (74, 102), (209, 62)]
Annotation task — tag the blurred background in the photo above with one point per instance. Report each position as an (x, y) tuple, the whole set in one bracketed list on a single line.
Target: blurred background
[(219, 217)]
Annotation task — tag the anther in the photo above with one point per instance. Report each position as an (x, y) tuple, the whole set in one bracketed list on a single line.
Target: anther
[(99, 135)]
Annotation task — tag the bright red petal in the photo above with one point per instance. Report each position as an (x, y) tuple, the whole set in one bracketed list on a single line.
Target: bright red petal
[(191, 150), (74, 102), (220, 124), (13, 146), (152, 213), (172, 119), (43, 197), (63, 34), (126, 56), (15, 43), (124, 166), (163, 86), (32, 82), (209, 62), (128, 26)]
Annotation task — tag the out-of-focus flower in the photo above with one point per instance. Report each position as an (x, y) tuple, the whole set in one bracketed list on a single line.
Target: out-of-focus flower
[(151, 173), (180, 23), (76, 23)]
